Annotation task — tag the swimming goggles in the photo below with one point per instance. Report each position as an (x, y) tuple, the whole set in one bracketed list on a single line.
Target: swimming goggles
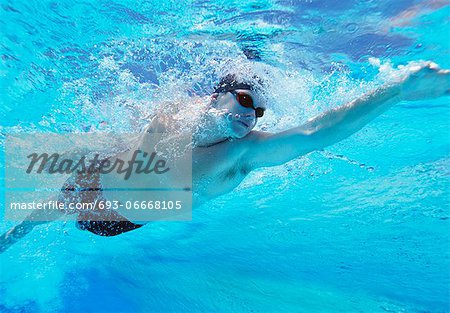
[(247, 102)]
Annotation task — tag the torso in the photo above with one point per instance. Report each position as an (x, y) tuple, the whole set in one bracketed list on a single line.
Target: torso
[(216, 170)]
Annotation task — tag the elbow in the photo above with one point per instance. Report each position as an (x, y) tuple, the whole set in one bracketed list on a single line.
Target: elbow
[(317, 138)]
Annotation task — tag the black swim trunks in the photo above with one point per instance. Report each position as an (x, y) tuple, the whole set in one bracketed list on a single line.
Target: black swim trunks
[(107, 228), (87, 188)]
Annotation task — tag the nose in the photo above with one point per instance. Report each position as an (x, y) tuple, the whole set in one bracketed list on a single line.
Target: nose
[(244, 116)]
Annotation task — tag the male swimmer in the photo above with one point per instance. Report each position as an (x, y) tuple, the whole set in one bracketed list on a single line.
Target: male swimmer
[(220, 164)]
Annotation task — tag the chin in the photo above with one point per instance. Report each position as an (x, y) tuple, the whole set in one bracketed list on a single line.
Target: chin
[(240, 132), (241, 135)]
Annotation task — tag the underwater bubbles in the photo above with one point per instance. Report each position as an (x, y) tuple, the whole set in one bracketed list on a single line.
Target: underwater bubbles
[(351, 28)]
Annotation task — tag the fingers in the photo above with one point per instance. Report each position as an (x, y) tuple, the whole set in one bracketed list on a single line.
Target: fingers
[(432, 66), (422, 68)]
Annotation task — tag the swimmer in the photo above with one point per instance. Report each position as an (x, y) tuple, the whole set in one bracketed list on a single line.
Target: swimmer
[(226, 156)]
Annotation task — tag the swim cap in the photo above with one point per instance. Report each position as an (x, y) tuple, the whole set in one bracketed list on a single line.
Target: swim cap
[(229, 83)]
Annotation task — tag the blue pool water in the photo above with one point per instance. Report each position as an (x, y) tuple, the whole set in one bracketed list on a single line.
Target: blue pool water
[(360, 227)]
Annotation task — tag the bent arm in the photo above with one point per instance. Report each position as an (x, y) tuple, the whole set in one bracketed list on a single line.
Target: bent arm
[(337, 124)]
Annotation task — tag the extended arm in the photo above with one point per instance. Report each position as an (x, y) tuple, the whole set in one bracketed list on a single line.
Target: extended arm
[(332, 126)]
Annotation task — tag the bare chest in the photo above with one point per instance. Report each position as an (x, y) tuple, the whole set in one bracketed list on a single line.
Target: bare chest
[(216, 172)]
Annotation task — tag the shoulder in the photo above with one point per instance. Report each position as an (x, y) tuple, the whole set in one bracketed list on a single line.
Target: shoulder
[(254, 136), (253, 139), (247, 146)]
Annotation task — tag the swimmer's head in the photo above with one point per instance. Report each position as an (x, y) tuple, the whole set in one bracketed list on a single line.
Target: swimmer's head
[(241, 102)]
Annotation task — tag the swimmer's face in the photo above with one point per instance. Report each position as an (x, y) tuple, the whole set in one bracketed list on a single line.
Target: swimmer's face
[(241, 116)]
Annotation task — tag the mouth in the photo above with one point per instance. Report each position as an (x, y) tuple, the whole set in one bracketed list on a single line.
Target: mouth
[(245, 124)]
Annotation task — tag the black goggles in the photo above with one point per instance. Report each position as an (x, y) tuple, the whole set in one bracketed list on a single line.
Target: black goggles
[(247, 102)]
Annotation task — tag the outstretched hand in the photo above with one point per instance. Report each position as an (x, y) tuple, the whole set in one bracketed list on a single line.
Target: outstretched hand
[(427, 81)]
